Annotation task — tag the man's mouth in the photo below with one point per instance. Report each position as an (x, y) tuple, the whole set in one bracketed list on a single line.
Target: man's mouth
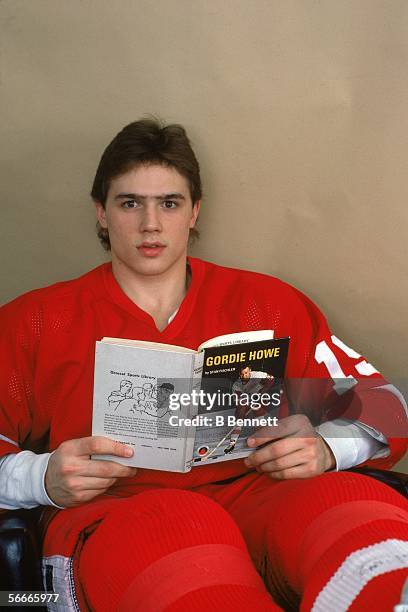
[(151, 249)]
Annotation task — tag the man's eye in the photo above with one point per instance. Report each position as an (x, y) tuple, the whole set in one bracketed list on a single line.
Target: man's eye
[(169, 204), (130, 204)]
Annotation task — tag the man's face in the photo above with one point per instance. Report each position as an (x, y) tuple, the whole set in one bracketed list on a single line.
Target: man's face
[(245, 374), (148, 214), (126, 387), (163, 395)]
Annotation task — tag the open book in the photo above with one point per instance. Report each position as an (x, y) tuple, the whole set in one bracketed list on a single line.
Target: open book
[(178, 408)]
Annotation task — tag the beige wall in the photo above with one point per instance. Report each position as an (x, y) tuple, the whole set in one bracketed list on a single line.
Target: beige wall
[(298, 111)]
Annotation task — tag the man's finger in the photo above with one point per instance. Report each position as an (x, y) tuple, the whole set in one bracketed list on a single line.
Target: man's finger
[(106, 469), (99, 445), (92, 484), (287, 462), (274, 451), (263, 435), (293, 425), (300, 471), (269, 434)]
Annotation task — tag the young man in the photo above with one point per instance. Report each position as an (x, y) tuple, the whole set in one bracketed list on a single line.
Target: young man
[(148, 540), (250, 381)]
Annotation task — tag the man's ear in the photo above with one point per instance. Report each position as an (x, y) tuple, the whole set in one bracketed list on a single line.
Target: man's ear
[(194, 216), (101, 214)]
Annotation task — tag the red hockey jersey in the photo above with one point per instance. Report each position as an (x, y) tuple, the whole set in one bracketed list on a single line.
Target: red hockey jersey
[(47, 359)]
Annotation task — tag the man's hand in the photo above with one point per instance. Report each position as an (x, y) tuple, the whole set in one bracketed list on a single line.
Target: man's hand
[(293, 449), (73, 478)]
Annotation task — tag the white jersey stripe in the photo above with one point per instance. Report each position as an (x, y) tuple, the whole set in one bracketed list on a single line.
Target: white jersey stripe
[(366, 369), (8, 440), (357, 570)]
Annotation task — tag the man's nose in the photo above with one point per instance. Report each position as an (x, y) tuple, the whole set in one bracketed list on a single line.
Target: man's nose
[(151, 219)]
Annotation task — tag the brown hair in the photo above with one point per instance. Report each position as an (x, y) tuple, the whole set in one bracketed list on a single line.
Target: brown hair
[(144, 142)]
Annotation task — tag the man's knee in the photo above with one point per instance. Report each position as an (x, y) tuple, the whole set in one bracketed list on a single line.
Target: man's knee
[(188, 514), (324, 509), (155, 523), (145, 531)]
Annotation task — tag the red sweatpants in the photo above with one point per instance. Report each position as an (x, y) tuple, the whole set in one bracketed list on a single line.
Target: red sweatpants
[(334, 542)]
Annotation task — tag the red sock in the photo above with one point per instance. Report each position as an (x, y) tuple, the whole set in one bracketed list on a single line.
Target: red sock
[(374, 564), (169, 550), (228, 598), (316, 534), (388, 585), (351, 529)]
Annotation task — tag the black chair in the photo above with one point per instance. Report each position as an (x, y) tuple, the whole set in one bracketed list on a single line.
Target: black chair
[(396, 480), (20, 552), (20, 547)]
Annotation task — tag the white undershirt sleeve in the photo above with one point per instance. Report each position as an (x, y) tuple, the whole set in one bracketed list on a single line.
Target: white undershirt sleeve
[(22, 477), (352, 443)]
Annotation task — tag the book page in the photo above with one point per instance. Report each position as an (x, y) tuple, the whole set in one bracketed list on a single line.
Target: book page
[(156, 346), (238, 338), (132, 388)]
